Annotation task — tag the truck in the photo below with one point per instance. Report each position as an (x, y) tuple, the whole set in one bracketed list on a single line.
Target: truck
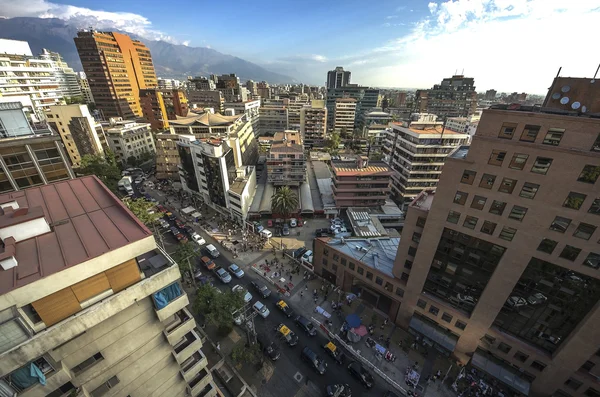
[(125, 185)]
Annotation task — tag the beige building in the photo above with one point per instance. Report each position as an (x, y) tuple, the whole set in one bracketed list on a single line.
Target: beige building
[(127, 138), (313, 123), (106, 314), (286, 162), (167, 155), (344, 115), (80, 133), (273, 119)]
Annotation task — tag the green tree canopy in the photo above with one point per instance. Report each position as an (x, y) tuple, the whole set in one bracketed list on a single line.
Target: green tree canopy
[(184, 255), (246, 354), (103, 168), (218, 308), (333, 143), (142, 208), (284, 201)]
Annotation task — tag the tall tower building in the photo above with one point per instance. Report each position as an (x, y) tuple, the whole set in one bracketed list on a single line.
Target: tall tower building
[(338, 78), (117, 68), (65, 76), (313, 123), (454, 97)]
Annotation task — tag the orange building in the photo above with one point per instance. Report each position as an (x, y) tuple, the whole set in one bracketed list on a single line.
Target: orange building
[(161, 105)]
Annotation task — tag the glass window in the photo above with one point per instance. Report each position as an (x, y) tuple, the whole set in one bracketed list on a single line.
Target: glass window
[(416, 237), (336, 258), (408, 264), (517, 213), (553, 136), (460, 325), (574, 200), (547, 245), (507, 233), (422, 304), (334, 267), (399, 292), (518, 161), (507, 131), (351, 265), (378, 280), (412, 251), (589, 174), (343, 261), (584, 231), (530, 133), (468, 177), (595, 207), (573, 384), (388, 287), (488, 227), (478, 202), (453, 217), (570, 253), (421, 221), (529, 190), (560, 224), (369, 275), (507, 185), (538, 365), (591, 392), (520, 356), (541, 165), (497, 157), (325, 262), (470, 222), (504, 348), (497, 207), (326, 252), (460, 198), (361, 271), (592, 260), (587, 366), (487, 181), (446, 317), (434, 310)]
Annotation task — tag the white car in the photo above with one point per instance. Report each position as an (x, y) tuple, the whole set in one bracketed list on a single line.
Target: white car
[(235, 269), (293, 222), (164, 224), (197, 238), (241, 290), (516, 301), (261, 309)]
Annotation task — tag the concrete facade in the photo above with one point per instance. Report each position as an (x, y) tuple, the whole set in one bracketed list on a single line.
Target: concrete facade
[(313, 123)]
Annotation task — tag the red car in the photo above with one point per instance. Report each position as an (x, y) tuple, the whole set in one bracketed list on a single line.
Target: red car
[(179, 224), (161, 208), (270, 223)]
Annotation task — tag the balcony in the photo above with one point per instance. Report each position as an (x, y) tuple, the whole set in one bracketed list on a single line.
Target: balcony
[(199, 382), (169, 300), (192, 366), (209, 391), (187, 346), (179, 325)]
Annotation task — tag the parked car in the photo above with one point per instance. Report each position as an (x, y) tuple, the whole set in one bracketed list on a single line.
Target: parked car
[(267, 233), (299, 252), (537, 299), (339, 390), (360, 373), (223, 275), (235, 269), (323, 232), (161, 208), (241, 290), (316, 362), (170, 216), (270, 223), (208, 263), (516, 302), (307, 256), (164, 224), (268, 347), (281, 305), (287, 334), (261, 309), (179, 224), (212, 251), (335, 352), (198, 239), (293, 222), (306, 325), (258, 227), (285, 230), (261, 289)]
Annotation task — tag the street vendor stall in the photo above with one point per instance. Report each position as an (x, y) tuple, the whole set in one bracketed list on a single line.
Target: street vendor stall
[(188, 210), (411, 377), (196, 215)]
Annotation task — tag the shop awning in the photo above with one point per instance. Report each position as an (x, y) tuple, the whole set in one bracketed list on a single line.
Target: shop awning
[(188, 210), (197, 215), (306, 202), (433, 333), (504, 374)]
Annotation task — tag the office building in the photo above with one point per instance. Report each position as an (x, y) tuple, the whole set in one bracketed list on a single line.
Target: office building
[(417, 152), (117, 68), (360, 183), (454, 97), (127, 138), (26, 75), (344, 115), (286, 162), (229, 85), (263, 90), (80, 133), (251, 109), (490, 95), (375, 122), (338, 78), (295, 107), (168, 84), (273, 119), (161, 105), (200, 83), (313, 123), (400, 99), (205, 99), (252, 87), (84, 86), (102, 309), (65, 76), (366, 99)]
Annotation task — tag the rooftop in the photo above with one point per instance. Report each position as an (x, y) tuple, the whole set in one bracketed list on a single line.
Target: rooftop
[(207, 119), (320, 156), (377, 253), (433, 130), (460, 152), (346, 168), (84, 221), (424, 200), (239, 184), (364, 224)]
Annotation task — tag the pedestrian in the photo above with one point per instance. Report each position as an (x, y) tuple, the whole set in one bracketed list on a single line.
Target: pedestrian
[(301, 294), (306, 288), (290, 278), (315, 299), (219, 346)]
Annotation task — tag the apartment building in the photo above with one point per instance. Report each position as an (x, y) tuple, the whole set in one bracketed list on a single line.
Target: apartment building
[(295, 107), (263, 89), (161, 105), (251, 109), (344, 115), (338, 78), (366, 99), (128, 138), (273, 119), (81, 134), (286, 162), (313, 124), (167, 154), (252, 87), (23, 74), (168, 84), (117, 68), (502, 262), (454, 97), (206, 99), (229, 85), (84, 85), (417, 151), (89, 302), (360, 183), (65, 76), (200, 83)]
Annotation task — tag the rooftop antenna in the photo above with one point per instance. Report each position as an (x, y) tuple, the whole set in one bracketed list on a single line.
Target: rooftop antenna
[(559, 69), (597, 69), (463, 72)]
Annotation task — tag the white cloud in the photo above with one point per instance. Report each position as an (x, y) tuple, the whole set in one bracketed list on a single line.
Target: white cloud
[(391, 17), (308, 58)]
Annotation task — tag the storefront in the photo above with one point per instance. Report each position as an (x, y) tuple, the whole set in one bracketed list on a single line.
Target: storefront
[(431, 334)]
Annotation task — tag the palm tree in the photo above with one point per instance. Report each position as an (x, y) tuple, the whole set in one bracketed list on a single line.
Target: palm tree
[(284, 201)]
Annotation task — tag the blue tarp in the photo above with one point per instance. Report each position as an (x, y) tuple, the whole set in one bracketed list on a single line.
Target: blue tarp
[(353, 320), (27, 376), (166, 295)]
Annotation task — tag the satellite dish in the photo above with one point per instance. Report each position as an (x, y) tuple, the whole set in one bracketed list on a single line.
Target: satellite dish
[(565, 88), (592, 81), (583, 109), (556, 95), (575, 105), (564, 100)]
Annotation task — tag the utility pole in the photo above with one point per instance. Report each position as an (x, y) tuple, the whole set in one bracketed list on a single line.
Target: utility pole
[(248, 319)]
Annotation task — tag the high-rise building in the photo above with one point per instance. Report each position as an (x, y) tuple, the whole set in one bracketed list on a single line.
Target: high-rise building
[(167, 155), (168, 84), (360, 183), (263, 90), (490, 95), (117, 68), (338, 78), (128, 138), (313, 123), (65, 76), (23, 74), (273, 119), (286, 162), (252, 87), (200, 83), (344, 115), (229, 85), (84, 86), (161, 105), (400, 99), (102, 310), (366, 99), (206, 99), (251, 109), (454, 97), (80, 133), (294, 107)]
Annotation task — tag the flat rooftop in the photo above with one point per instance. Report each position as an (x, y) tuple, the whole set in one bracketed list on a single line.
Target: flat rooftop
[(424, 200), (376, 253), (86, 221), (460, 152), (346, 168)]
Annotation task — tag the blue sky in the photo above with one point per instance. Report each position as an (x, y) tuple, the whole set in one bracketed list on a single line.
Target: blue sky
[(509, 45)]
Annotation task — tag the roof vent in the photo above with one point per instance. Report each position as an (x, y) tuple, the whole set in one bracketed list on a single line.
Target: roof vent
[(7, 258), (22, 223)]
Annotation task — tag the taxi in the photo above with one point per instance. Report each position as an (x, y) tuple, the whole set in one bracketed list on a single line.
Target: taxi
[(281, 305), (285, 333), (334, 352)]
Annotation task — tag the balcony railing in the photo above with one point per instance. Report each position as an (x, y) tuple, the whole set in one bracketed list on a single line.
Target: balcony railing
[(193, 365), (169, 300), (185, 348), (177, 326), (199, 382)]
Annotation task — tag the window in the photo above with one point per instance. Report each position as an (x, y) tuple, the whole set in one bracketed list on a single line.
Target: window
[(497, 207), (595, 207), (408, 264), (460, 325), (587, 366), (507, 185), (334, 267), (434, 310), (591, 392), (399, 292), (404, 277), (378, 280), (388, 287), (102, 390), (453, 217), (520, 356), (529, 190), (570, 253), (489, 339), (470, 222), (560, 224), (351, 265), (507, 131), (487, 181), (592, 260), (336, 258), (369, 275), (589, 174), (553, 136), (416, 237), (325, 262), (573, 384), (361, 271), (507, 233), (497, 157), (538, 365), (446, 317), (584, 231), (488, 227), (530, 133), (343, 261), (547, 245), (504, 348), (422, 304), (541, 165), (478, 202), (87, 363), (574, 200), (460, 198), (518, 161), (468, 177), (421, 221), (326, 252), (412, 251), (517, 213)]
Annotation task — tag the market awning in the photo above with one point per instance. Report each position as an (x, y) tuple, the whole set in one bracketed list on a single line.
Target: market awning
[(265, 202), (188, 210), (434, 333), (504, 374), (197, 215), (306, 202)]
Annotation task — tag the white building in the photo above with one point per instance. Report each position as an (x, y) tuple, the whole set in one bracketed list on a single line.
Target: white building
[(344, 115), (66, 77), (128, 138), (249, 108), (84, 85), (168, 84)]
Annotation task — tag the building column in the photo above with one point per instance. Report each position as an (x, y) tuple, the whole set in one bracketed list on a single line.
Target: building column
[(8, 174), (36, 164), (64, 159)]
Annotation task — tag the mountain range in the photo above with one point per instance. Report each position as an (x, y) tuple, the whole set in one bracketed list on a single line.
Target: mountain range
[(170, 60)]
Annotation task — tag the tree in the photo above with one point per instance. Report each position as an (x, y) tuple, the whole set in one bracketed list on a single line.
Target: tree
[(284, 201), (96, 164), (142, 208), (74, 99), (132, 161), (218, 308), (242, 354), (183, 255), (333, 143), (385, 103)]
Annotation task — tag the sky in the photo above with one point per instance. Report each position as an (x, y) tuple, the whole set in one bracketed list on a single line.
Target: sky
[(507, 45)]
